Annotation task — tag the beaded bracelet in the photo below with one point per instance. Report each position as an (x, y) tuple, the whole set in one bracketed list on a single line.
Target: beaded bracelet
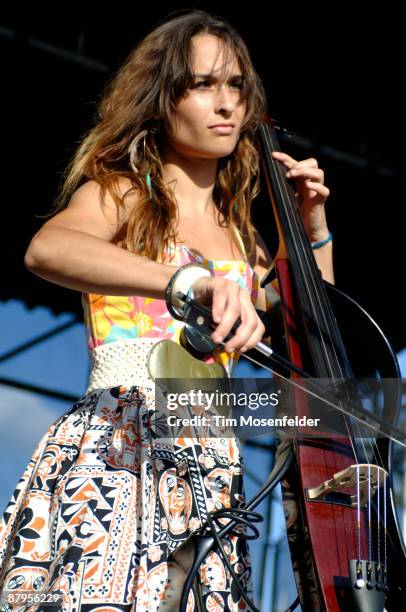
[(320, 243), (182, 281)]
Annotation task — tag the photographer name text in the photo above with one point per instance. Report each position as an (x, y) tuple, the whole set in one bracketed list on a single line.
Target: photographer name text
[(241, 421)]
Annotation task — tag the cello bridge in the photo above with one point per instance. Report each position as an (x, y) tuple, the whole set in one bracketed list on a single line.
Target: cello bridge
[(343, 488)]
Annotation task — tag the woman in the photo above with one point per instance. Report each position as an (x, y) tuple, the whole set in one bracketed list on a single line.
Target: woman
[(103, 508)]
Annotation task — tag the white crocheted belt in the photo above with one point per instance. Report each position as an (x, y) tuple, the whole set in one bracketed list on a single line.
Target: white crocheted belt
[(120, 363)]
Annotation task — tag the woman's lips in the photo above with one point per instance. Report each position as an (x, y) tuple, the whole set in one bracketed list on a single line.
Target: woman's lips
[(222, 129)]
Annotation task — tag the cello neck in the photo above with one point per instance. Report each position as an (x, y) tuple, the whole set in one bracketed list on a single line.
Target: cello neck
[(328, 355)]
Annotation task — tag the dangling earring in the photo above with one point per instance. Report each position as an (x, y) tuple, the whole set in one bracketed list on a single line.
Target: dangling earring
[(132, 149), (148, 179), (149, 184)]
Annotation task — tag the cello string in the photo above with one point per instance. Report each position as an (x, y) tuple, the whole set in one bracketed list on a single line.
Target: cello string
[(378, 526), (369, 517), (385, 551), (358, 517)]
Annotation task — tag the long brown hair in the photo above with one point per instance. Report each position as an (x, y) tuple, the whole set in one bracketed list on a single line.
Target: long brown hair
[(142, 95)]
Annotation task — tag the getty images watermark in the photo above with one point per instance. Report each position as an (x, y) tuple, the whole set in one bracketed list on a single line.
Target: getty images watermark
[(208, 401), (227, 408)]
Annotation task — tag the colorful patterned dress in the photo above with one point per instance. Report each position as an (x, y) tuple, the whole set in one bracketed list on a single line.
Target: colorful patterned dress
[(102, 505)]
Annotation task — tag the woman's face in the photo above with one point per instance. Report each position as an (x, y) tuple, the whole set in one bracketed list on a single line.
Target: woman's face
[(209, 101)]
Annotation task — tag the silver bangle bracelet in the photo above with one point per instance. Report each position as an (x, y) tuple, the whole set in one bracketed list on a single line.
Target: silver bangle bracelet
[(181, 281)]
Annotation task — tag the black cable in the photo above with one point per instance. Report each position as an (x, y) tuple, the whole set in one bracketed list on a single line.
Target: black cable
[(279, 470)]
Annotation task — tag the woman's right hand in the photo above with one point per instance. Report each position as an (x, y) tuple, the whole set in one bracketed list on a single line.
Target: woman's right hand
[(230, 302)]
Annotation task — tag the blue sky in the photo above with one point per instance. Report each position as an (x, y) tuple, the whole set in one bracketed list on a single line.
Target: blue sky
[(61, 363)]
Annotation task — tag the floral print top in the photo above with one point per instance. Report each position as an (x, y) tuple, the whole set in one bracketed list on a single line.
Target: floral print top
[(111, 318)]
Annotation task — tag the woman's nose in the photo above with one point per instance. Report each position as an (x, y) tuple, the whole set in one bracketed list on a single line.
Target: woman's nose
[(226, 99)]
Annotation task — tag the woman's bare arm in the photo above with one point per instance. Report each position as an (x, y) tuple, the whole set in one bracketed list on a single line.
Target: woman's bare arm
[(74, 249)]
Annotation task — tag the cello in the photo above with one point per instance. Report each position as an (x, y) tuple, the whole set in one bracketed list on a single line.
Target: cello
[(345, 541), (332, 337)]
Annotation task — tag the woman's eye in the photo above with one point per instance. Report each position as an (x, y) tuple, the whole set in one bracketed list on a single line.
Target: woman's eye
[(197, 85)]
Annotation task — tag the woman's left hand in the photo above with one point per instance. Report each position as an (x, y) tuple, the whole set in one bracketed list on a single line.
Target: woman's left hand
[(311, 193)]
